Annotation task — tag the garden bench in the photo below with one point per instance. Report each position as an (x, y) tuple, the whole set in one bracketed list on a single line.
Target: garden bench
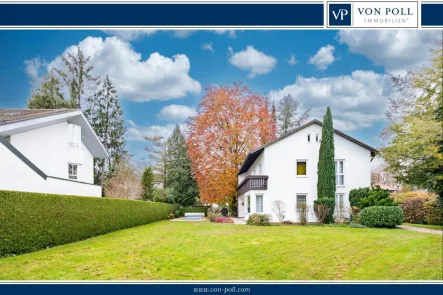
[(194, 216)]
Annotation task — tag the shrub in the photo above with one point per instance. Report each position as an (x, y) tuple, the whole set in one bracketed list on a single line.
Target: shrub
[(258, 219), (382, 216), (184, 210), (401, 197), (355, 195), (279, 209), (302, 212), (213, 214), (324, 210), (32, 221), (223, 219), (414, 210), (433, 212), (376, 197), (287, 222), (356, 225)]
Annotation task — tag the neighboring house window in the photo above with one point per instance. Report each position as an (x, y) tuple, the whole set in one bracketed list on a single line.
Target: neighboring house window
[(317, 137), (75, 135), (301, 168), (339, 204), (249, 204), (309, 137), (72, 171), (339, 172), (259, 204), (301, 199)]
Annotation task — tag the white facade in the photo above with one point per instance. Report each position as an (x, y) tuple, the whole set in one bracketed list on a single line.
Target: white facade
[(278, 161), (49, 158)]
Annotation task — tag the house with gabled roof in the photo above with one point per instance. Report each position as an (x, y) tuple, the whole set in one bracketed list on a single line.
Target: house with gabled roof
[(48, 151), (286, 170)]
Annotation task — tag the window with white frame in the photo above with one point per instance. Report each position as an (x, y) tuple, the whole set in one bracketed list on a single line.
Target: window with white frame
[(259, 204), (301, 199), (75, 135), (339, 172), (73, 171), (339, 201)]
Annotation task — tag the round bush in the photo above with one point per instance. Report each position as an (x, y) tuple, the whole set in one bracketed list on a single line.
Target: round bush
[(382, 216), (258, 219)]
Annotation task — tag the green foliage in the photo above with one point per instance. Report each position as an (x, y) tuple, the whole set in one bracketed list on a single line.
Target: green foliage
[(356, 225), (258, 219), (420, 207), (414, 154), (213, 214), (433, 210), (160, 195), (382, 216), (179, 177), (286, 115), (326, 164), (47, 94), (376, 197), (184, 210), (31, 221), (105, 115), (355, 195), (148, 184)]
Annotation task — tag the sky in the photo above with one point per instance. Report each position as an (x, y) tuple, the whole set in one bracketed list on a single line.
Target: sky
[(161, 76)]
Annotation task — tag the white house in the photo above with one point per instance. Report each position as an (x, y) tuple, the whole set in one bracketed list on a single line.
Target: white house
[(48, 151), (286, 169)]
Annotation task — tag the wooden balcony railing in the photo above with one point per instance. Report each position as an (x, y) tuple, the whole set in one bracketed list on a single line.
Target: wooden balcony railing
[(253, 182)]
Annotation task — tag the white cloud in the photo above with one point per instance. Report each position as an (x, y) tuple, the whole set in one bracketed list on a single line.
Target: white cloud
[(130, 35), (230, 33), (208, 46), (396, 51), (34, 66), (323, 58), (176, 113), (252, 60), (156, 78), (139, 133), (182, 34), (292, 61), (357, 100)]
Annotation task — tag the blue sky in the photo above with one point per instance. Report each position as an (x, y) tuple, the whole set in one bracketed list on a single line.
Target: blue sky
[(161, 75)]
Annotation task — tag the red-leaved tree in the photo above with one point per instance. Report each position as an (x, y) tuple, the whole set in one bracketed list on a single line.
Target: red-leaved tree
[(230, 122)]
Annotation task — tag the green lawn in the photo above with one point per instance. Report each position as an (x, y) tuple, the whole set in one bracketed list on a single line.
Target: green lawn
[(204, 251), (428, 226)]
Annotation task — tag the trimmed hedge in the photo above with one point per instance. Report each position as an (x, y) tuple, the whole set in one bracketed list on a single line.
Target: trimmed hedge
[(382, 216), (32, 221), (184, 210)]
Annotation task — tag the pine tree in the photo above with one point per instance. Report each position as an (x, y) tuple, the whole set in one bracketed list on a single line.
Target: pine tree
[(179, 178), (326, 165), (105, 115), (78, 77), (148, 184), (47, 94), (287, 112)]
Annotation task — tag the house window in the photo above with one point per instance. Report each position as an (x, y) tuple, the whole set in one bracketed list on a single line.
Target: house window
[(249, 204), (339, 172), (259, 204), (72, 171), (301, 168), (339, 204), (75, 135), (301, 199), (309, 137), (317, 137)]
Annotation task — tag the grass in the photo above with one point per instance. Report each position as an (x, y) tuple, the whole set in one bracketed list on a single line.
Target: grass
[(207, 251), (428, 226)]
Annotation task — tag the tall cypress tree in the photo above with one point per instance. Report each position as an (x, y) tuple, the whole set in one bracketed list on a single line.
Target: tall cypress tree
[(326, 165), (179, 178)]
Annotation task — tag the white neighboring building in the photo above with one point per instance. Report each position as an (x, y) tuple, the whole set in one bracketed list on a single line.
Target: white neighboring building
[(48, 151), (286, 169)]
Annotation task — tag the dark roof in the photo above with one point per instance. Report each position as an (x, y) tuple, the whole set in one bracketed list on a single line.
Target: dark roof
[(252, 156), (8, 116)]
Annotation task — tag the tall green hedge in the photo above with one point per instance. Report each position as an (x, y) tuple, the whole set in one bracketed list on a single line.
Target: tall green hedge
[(32, 221), (184, 210), (382, 216)]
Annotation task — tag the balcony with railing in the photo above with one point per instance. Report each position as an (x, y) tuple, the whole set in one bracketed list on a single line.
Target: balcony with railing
[(253, 182)]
